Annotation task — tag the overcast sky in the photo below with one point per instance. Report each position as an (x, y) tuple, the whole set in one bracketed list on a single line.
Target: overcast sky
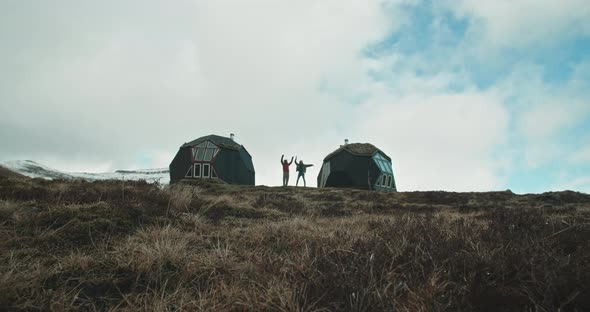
[(462, 95)]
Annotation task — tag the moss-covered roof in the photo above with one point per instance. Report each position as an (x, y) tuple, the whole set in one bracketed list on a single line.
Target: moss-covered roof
[(358, 149)]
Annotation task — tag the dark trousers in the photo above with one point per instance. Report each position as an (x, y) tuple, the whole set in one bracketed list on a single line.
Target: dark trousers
[(301, 175)]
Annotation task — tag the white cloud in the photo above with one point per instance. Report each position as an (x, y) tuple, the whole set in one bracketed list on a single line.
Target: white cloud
[(123, 84), (543, 112), (108, 81), (545, 120), (580, 184), (542, 126), (438, 140), (582, 156), (520, 23)]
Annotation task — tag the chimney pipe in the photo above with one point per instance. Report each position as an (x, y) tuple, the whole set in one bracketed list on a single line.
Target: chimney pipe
[(231, 136), (345, 141)]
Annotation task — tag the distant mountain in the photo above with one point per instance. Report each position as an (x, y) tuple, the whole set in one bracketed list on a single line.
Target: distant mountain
[(33, 169)]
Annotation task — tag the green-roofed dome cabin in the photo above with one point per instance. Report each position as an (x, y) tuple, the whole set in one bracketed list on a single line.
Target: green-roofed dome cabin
[(213, 157), (357, 165)]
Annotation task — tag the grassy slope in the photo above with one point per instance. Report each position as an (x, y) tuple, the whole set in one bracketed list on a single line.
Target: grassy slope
[(132, 246), (7, 173)]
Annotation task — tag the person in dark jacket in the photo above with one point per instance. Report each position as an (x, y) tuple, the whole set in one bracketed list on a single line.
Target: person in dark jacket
[(301, 168), (286, 169)]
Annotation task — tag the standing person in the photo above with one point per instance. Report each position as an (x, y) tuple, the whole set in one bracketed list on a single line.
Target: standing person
[(301, 168), (286, 169)]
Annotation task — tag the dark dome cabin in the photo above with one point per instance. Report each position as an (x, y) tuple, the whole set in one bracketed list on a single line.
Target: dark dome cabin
[(213, 157), (357, 165)]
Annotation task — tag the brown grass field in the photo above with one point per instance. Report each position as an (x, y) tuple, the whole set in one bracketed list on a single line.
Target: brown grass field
[(127, 246)]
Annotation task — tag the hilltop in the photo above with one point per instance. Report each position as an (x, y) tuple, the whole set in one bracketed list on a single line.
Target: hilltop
[(7, 173), (131, 245), (33, 169)]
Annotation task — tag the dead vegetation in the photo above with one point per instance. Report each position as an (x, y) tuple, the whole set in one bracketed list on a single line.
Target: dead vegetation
[(111, 245)]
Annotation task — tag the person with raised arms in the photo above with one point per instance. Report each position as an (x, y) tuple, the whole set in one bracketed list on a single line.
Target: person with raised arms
[(286, 169), (301, 168)]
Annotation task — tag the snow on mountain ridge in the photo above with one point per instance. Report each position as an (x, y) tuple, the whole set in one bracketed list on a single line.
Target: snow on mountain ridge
[(35, 170)]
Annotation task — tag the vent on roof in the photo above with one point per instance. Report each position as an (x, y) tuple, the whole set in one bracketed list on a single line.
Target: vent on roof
[(231, 136)]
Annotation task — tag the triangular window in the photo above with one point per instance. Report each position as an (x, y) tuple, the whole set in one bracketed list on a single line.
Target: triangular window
[(211, 145), (189, 173)]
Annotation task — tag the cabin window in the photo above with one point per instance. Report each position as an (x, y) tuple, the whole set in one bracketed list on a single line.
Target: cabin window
[(197, 171), (383, 164), (380, 165), (206, 170), (202, 156), (200, 152), (389, 181), (205, 151), (208, 154)]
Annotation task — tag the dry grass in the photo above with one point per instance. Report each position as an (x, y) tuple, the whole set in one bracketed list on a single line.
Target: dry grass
[(69, 246), (182, 196)]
